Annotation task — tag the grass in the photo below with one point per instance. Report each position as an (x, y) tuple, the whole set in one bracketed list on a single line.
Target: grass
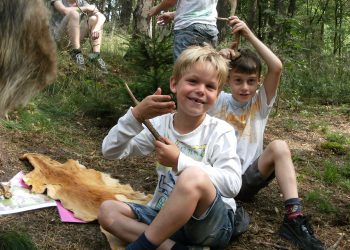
[(11, 240), (337, 143), (337, 174), (322, 203)]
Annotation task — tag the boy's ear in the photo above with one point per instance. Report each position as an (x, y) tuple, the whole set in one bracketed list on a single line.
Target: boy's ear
[(173, 85)]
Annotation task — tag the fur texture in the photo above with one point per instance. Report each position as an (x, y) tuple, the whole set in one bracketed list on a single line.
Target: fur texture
[(27, 52), (79, 189)]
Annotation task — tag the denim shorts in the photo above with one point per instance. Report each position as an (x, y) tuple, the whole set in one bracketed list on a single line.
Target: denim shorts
[(252, 182), (214, 229), (195, 34)]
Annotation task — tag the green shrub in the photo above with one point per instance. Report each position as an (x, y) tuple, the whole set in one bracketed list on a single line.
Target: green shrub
[(11, 240), (151, 61)]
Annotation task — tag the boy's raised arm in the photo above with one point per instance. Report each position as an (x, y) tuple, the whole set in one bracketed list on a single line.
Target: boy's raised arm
[(274, 65)]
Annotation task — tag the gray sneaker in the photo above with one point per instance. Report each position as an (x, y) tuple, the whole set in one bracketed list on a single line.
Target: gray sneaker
[(96, 58), (79, 60)]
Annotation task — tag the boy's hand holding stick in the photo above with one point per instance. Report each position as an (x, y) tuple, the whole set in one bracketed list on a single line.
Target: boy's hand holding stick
[(146, 122), (236, 40)]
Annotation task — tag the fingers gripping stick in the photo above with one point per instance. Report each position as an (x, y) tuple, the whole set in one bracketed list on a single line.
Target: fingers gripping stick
[(235, 43), (146, 122)]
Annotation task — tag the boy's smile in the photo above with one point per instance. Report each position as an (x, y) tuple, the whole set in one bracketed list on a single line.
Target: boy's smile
[(243, 86), (197, 89)]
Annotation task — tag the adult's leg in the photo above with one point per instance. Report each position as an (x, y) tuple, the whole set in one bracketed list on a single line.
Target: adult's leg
[(69, 31), (277, 158), (92, 28)]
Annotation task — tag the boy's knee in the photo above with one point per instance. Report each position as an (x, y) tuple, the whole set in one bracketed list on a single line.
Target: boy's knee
[(193, 178), (104, 212), (92, 20), (280, 148)]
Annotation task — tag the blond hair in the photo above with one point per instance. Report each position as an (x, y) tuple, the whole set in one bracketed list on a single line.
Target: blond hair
[(206, 53)]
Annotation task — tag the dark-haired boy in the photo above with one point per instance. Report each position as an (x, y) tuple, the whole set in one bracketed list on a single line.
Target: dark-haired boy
[(247, 108)]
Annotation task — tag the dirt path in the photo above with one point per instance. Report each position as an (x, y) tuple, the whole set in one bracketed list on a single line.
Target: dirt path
[(303, 132)]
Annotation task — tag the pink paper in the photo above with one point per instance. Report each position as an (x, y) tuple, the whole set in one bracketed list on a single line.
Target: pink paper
[(17, 180), (66, 215)]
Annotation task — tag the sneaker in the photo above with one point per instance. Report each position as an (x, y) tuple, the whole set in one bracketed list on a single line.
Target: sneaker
[(79, 60), (96, 58), (300, 232)]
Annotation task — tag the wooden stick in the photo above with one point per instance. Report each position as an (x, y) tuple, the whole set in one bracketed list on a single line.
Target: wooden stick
[(336, 244), (146, 122), (222, 18), (237, 36)]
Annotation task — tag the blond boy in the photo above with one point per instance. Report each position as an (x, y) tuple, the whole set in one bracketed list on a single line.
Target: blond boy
[(198, 169)]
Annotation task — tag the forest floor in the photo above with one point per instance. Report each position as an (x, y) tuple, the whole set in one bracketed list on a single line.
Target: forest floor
[(304, 130)]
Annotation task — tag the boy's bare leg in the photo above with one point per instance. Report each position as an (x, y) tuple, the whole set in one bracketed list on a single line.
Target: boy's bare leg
[(193, 195), (193, 189), (277, 157), (118, 218)]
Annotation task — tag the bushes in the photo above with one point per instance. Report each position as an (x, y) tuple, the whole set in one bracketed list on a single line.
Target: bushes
[(322, 79)]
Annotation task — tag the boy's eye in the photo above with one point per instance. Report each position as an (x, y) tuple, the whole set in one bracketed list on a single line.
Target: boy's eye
[(212, 86), (237, 81), (192, 81), (251, 81)]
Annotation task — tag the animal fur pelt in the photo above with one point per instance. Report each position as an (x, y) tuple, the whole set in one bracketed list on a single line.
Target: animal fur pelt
[(79, 189), (27, 52)]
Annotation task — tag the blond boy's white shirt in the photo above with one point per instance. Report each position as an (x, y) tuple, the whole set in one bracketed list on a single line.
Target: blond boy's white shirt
[(249, 121), (211, 146)]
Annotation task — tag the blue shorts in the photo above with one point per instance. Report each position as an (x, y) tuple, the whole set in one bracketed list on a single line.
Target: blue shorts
[(214, 229), (195, 34)]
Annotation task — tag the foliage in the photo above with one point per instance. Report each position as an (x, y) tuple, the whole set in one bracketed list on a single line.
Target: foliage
[(337, 143), (321, 202), (28, 119), (11, 240), (337, 173), (151, 61)]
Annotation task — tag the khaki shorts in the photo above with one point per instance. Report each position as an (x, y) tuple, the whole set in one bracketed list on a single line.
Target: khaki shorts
[(252, 182)]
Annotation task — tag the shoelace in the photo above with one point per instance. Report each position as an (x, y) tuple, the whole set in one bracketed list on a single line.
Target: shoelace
[(80, 59), (305, 226), (102, 63)]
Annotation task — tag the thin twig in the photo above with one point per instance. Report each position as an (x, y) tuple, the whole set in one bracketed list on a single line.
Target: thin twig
[(146, 122), (222, 18), (236, 39), (274, 245), (336, 244)]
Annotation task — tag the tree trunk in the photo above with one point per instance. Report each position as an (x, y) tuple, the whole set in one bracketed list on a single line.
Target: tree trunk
[(223, 9), (125, 13), (140, 21), (292, 7)]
